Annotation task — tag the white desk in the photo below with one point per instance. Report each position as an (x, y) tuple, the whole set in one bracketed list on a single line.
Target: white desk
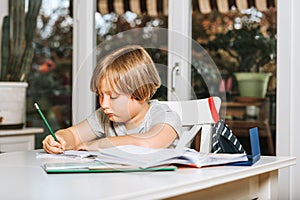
[(18, 139), (23, 178)]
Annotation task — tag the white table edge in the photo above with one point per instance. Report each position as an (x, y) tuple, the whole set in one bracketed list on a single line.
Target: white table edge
[(171, 191)]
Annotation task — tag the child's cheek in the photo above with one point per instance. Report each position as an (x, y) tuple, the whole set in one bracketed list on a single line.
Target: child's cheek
[(120, 105)]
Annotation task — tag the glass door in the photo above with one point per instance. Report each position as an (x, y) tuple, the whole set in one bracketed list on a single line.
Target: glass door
[(181, 40), (240, 37)]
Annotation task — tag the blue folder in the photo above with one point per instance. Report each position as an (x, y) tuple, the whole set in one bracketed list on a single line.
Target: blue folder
[(255, 150)]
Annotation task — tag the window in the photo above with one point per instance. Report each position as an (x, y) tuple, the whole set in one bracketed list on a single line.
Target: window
[(50, 79)]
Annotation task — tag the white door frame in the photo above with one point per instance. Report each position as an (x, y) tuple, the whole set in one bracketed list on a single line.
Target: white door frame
[(83, 100), (179, 49), (288, 95)]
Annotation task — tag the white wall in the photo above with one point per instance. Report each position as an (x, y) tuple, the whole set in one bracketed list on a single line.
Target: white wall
[(288, 95), (295, 97), (3, 12)]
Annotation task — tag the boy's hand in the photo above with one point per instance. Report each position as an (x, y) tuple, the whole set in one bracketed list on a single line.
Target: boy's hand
[(51, 146)]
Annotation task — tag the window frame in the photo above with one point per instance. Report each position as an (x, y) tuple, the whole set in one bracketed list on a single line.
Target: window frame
[(84, 42)]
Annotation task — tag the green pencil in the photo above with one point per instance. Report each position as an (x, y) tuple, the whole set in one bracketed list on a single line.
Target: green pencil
[(45, 121)]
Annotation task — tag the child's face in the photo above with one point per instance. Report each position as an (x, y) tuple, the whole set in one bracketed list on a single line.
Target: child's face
[(118, 107)]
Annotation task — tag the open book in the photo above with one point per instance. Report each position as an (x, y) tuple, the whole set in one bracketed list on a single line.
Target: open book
[(130, 158), (135, 158), (147, 157)]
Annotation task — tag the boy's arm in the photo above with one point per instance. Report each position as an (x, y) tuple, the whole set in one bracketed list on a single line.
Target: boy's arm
[(77, 134), (159, 136)]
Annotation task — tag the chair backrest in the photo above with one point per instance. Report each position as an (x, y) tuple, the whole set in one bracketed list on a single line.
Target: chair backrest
[(195, 115)]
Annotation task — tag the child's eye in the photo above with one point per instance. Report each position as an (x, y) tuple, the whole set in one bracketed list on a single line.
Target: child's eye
[(114, 97)]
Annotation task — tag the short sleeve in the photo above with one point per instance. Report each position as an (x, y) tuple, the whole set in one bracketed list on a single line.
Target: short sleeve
[(97, 120), (162, 114)]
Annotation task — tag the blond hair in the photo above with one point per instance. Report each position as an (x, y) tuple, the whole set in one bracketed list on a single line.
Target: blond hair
[(129, 70)]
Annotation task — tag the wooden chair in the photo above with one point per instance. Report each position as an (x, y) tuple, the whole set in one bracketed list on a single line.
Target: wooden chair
[(196, 115)]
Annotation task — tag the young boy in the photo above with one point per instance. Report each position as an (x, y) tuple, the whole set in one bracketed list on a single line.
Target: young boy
[(125, 81)]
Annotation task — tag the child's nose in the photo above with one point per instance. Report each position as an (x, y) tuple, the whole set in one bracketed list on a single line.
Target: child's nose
[(105, 103)]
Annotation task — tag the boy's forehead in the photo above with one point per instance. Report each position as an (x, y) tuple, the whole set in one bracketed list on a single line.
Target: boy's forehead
[(105, 87)]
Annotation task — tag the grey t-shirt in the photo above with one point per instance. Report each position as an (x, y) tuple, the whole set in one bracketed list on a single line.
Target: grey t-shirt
[(157, 114)]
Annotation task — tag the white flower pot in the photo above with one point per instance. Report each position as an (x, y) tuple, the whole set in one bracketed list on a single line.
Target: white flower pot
[(12, 104)]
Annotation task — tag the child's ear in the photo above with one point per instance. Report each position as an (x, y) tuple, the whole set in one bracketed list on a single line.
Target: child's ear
[(139, 101), (142, 101)]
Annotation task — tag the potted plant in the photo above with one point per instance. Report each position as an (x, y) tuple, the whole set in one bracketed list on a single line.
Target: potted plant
[(16, 56), (248, 49)]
